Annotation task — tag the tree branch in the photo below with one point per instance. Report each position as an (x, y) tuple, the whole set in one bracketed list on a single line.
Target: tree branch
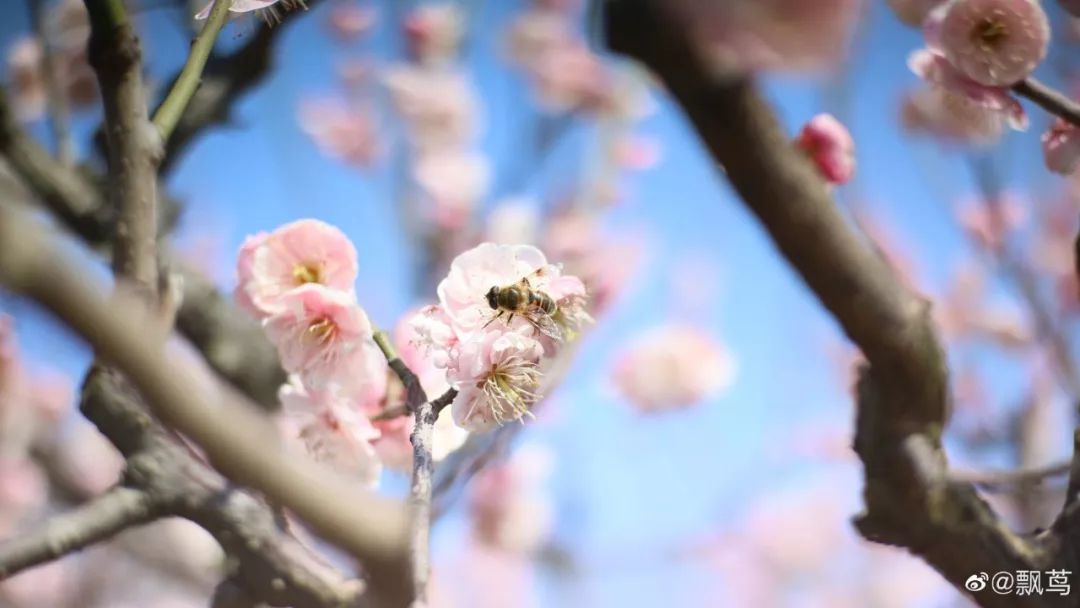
[(240, 443), (425, 413), (172, 108), (903, 392), (97, 520), (1048, 99), (134, 147)]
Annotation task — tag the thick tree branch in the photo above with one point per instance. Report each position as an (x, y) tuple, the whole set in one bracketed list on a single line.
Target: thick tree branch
[(135, 148), (903, 392), (1052, 101), (239, 442), (97, 520)]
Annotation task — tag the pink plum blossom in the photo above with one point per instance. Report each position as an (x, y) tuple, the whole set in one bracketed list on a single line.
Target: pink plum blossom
[(932, 66), (437, 106), (332, 430), (299, 253), (497, 375), (1061, 147), (672, 366), (991, 225), (341, 131), (951, 116), (434, 32), (746, 35), (455, 182), (829, 145), (995, 43), (350, 21), (270, 10), (913, 12), (534, 33), (513, 220), (507, 502), (316, 330), (462, 293)]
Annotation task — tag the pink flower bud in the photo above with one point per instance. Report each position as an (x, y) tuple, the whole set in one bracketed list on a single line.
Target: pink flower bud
[(829, 145), (1061, 147)]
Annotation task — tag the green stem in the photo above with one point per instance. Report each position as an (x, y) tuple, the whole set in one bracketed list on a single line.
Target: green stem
[(170, 110), (382, 340)]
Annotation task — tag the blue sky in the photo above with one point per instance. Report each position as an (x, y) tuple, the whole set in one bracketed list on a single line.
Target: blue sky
[(624, 484)]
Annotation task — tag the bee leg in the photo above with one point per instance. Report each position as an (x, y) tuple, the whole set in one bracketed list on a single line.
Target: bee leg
[(509, 319), (493, 319)]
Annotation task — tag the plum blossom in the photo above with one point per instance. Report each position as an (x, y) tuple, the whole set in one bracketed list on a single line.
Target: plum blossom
[(434, 31), (348, 22), (455, 182), (299, 253), (317, 329), (746, 35), (498, 375), (513, 220), (951, 116), (672, 366), (829, 145), (438, 107), (333, 430), (995, 43), (913, 12), (507, 502), (933, 67), (270, 10), (495, 364), (1061, 147), (534, 32), (341, 131)]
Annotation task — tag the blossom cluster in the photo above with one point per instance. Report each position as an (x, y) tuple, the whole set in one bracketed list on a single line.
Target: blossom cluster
[(976, 51), (496, 359)]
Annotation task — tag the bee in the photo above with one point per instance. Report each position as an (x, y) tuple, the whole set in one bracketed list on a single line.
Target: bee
[(522, 300)]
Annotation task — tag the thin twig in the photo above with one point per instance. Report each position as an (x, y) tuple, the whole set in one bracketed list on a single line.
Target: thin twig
[(55, 94), (1052, 101), (239, 442), (99, 519), (172, 108), (1011, 477)]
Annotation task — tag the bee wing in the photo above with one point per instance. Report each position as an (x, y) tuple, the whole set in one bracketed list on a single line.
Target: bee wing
[(540, 272), (545, 325)]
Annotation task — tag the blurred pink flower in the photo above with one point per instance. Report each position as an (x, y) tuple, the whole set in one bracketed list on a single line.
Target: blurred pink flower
[(270, 10), (333, 430), (672, 366), (913, 12), (749, 35), (456, 182), (23, 489), (497, 374), (993, 42), (951, 116), (341, 131), (316, 330), (933, 67), (637, 153), (513, 220), (507, 502), (299, 253), (434, 32), (437, 106), (534, 32), (349, 21), (1061, 147), (68, 37), (569, 76), (828, 144), (48, 585), (88, 459), (991, 224)]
